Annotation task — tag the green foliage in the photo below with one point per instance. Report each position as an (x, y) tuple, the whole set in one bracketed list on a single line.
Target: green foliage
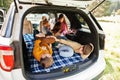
[(106, 9), (109, 68), (5, 3), (112, 70), (102, 10), (118, 12)]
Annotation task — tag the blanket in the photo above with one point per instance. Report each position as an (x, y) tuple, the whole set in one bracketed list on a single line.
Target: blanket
[(59, 61)]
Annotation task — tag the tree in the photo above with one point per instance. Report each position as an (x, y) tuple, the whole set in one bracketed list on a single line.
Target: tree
[(102, 10), (1, 3), (5, 3), (118, 12)]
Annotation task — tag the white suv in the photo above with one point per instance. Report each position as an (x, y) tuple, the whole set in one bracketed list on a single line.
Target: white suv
[(16, 59)]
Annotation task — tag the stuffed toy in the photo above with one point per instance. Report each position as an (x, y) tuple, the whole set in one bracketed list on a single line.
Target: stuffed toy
[(42, 50)]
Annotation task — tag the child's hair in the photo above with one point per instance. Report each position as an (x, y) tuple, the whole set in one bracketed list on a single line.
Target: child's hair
[(45, 22), (60, 16), (57, 27)]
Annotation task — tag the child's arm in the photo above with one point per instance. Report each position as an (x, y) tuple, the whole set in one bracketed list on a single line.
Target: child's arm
[(73, 44)]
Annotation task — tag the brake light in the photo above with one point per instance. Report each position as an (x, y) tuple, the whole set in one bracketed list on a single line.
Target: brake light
[(6, 58)]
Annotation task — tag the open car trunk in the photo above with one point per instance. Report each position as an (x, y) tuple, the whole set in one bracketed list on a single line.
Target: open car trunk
[(62, 66)]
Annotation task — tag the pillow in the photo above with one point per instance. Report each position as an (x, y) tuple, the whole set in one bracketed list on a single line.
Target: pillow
[(66, 51)]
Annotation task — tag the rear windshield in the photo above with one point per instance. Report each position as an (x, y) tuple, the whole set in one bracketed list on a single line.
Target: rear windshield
[(76, 25)]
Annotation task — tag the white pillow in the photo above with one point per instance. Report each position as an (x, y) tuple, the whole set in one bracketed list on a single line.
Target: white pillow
[(66, 51)]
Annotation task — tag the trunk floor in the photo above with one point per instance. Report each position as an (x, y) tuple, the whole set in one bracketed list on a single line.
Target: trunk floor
[(59, 61)]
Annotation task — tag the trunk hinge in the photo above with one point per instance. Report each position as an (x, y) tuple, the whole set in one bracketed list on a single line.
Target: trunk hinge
[(16, 9)]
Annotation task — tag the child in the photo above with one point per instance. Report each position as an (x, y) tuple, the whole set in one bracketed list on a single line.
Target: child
[(44, 25), (42, 50), (83, 50)]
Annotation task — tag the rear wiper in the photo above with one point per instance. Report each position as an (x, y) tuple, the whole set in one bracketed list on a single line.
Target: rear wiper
[(16, 6)]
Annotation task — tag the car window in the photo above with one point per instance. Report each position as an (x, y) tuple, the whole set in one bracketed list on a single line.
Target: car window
[(66, 19), (83, 23), (1, 17), (35, 19), (51, 17)]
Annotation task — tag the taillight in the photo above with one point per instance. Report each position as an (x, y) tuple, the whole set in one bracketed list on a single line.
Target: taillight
[(6, 58)]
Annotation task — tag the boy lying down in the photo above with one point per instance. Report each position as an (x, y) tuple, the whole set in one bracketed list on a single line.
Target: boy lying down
[(42, 50)]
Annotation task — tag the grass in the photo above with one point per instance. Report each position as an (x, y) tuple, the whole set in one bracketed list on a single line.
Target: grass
[(112, 70), (112, 51)]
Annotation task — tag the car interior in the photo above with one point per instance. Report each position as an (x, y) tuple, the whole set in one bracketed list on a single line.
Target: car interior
[(62, 65)]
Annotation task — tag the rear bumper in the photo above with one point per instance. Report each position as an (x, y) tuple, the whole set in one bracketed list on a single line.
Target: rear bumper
[(15, 74), (91, 72), (87, 74)]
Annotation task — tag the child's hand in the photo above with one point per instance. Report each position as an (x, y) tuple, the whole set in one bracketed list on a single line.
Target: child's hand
[(53, 37), (46, 55)]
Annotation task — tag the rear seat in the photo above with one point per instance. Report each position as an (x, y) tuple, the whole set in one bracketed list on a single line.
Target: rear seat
[(27, 27)]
